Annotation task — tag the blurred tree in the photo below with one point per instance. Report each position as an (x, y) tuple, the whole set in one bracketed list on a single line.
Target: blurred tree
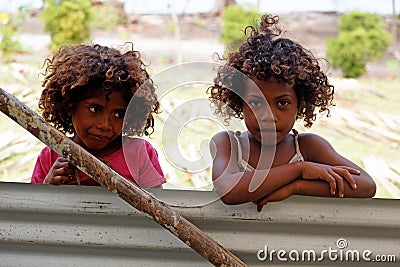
[(235, 19), (220, 5), (362, 38), (9, 26), (67, 21), (108, 15)]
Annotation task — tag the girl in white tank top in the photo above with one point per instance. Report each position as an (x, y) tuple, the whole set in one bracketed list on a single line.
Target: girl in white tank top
[(270, 82), (246, 167)]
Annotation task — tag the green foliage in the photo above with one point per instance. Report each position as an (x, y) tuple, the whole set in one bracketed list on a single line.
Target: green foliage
[(362, 38), (356, 19), (8, 42), (235, 18), (9, 26), (67, 21), (110, 14)]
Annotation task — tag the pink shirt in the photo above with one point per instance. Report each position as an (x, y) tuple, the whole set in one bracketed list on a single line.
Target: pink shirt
[(141, 165)]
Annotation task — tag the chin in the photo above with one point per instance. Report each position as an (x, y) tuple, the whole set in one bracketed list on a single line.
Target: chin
[(95, 146), (270, 141), (268, 144)]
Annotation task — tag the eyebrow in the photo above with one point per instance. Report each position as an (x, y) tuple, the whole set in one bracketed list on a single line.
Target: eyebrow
[(285, 95), (94, 102), (261, 97), (255, 95)]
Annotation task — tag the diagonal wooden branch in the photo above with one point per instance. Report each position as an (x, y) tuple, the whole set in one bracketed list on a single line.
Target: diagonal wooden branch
[(104, 175)]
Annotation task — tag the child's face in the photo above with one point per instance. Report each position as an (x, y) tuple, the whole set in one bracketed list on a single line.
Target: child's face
[(98, 120), (269, 110)]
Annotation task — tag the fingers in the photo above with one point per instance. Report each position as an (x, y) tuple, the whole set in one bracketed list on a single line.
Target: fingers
[(331, 181), (336, 176), (339, 183), (260, 204), (350, 169), (60, 173), (57, 180), (346, 172)]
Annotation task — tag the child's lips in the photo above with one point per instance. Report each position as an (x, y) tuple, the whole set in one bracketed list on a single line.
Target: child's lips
[(268, 130), (100, 138)]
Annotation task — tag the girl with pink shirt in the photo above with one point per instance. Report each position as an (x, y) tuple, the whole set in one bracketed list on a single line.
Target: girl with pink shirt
[(87, 90)]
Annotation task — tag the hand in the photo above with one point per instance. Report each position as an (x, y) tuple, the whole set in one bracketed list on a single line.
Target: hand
[(334, 175), (278, 195), (61, 172)]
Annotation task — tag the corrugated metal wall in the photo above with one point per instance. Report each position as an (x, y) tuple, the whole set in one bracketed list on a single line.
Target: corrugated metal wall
[(43, 225)]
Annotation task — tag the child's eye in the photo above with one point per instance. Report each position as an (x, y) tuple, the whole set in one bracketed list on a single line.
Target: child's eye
[(119, 114), (94, 109), (254, 103), (283, 103)]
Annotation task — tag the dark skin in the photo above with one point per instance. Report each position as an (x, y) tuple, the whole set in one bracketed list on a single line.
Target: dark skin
[(98, 125), (268, 147), (316, 149)]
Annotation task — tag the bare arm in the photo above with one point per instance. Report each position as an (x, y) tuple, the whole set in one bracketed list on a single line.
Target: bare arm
[(321, 151), (234, 186)]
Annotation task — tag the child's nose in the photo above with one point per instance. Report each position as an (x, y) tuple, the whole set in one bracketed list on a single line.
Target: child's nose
[(267, 115), (104, 122)]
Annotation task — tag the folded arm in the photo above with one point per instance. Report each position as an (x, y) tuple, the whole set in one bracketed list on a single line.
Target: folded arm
[(236, 187), (322, 152)]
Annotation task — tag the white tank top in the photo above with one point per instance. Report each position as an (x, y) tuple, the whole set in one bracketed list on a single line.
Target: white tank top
[(246, 167)]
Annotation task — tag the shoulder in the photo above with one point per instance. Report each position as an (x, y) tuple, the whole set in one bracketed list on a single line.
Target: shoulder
[(311, 137), (150, 149), (138, 144), (311, 145), (224, 144), (43, 164), (224, 136), (48, 153), (46, 150), (221, 135), (225, 140), (134, 143)]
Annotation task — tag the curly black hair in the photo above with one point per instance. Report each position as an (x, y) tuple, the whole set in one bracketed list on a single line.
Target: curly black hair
[(78, 72), (264, 56)]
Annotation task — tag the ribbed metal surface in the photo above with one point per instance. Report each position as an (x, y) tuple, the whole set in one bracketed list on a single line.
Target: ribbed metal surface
[(88, 226)]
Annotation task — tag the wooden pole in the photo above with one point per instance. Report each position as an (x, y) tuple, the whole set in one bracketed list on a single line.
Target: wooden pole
[(108, 178)]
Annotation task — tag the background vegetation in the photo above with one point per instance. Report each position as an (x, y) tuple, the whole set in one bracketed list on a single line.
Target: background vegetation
[(362, 38), (67, 21), (9, 26), (364, 125), (234, 20)]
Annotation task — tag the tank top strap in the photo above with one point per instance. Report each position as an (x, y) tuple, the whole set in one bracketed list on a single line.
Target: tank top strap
[(296, 141), (242, 164), (298, 156), (239, 148)]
